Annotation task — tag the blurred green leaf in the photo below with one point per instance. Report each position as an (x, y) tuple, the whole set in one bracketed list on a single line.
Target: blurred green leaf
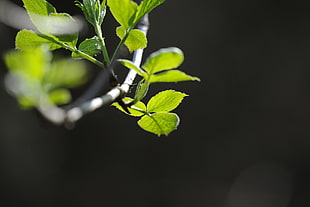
[(164, 59), (61, 26), (29, 40), (165, 101), (159, 123), (27, 70), (37, 8), (172, 76), (31, 64), (60, 96), (66, 73), (34, 80)]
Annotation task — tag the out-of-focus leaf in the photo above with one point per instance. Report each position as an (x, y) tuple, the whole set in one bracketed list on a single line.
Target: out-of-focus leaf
[(60, 96), (66, 73), (37, 8)]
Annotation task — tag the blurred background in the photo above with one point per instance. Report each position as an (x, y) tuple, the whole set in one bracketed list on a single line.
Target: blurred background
[(243, 140)]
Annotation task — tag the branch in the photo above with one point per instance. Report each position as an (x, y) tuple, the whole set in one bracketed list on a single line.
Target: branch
[(83, 106), (76, 113)]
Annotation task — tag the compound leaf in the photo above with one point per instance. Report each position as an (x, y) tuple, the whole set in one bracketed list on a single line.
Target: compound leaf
[(165, 101), (159, 123), (164, 59), (135, 39), (123, 11), (28, 40), (172, 76)]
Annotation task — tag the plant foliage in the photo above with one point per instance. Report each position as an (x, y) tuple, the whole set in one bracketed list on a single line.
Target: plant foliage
[(36, 79)]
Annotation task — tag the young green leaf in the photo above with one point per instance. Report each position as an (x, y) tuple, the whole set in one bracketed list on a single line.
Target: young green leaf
[(123, 11), (138, 109), (37, 8), (30, 64), (159, 123), (164, 59), (60, 96), (34, 80), (27, 69), (93, 10), (165, 101), (145, 7), (89, 46), (135, 39), (28, 40), (172, 76), (66, 73), (62, 27), (129, 64), (141, 90)]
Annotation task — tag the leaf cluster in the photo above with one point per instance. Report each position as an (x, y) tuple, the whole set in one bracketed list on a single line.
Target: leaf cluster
[(36, 79), (156, 116)]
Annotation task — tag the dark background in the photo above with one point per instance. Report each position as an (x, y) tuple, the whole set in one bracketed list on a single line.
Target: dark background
[(243, 140)]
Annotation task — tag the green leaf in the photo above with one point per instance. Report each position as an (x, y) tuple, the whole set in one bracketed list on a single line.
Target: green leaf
[(30, 64), (27, 70), (172, 76), (37, 11), (129, 64), (89, 46), (164, 59), (93, 11), (60, 96), (165, 101), (38, 7), (145, 7), (135, 40), (141, 90), (62, 26), (159, 123), (65, 73), (138, 109), (28, 40), (123, 11)]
